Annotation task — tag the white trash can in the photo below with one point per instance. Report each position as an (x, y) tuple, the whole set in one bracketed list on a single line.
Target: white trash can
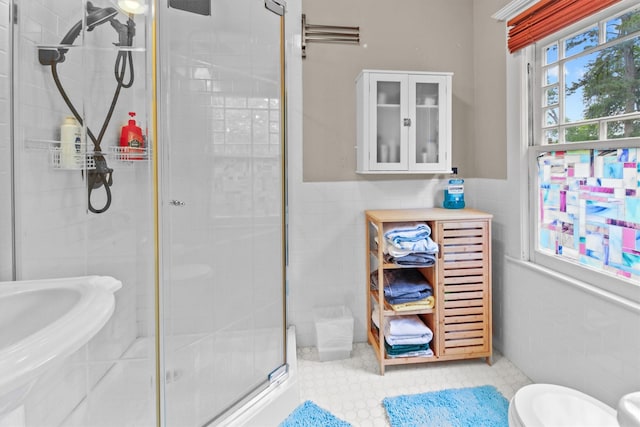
[(334, 332)]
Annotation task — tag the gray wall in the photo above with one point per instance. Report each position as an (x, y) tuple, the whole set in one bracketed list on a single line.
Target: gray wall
[(417, 35), (487, 147)]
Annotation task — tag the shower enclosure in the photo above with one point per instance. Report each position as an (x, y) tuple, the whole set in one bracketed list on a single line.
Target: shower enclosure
[(194, 218)]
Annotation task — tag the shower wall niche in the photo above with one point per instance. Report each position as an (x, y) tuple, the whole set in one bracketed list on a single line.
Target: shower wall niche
[(56, 234)]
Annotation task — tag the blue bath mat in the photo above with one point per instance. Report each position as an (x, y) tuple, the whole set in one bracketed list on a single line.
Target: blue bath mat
[(308, 414), (464, 407)]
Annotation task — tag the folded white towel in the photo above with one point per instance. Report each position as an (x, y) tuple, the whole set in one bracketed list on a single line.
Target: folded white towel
[(396, 252), (405, 325), (409, 340), (419, 353)]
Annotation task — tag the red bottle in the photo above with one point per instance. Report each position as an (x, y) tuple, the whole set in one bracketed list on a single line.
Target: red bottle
[(131, 140)]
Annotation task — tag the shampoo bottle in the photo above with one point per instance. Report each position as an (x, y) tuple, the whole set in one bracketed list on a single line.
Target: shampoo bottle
[(70, 138), (131, 139), (454, 193)]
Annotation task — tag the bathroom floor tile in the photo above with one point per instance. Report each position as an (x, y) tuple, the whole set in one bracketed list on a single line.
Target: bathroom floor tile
[(352, 389)]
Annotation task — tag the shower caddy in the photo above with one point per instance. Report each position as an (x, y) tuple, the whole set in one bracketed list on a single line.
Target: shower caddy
[(461, 280)]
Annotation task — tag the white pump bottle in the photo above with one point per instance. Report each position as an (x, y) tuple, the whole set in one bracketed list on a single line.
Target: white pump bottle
[(70, 140)]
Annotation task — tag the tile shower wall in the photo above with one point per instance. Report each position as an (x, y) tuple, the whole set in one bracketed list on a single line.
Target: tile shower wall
[(56, 236), (5, 150)]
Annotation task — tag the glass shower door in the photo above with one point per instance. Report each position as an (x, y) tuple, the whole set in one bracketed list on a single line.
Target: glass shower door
[(221, 196)]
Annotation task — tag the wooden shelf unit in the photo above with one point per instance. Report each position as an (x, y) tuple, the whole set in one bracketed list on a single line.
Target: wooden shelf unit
[(461, 281)]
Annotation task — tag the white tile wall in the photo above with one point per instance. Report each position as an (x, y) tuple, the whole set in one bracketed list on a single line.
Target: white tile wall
[(56, 236), (568, 336), (326, 244), (496, 197)]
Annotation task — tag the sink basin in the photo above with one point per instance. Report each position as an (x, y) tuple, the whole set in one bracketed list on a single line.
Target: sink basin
[(42, 322)]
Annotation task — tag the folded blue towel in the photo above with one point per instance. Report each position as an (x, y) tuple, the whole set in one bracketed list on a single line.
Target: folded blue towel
[(403, 282), (417, 259), (422, 245), (409, 297), (397, 350), (408, 233), (413, 238)]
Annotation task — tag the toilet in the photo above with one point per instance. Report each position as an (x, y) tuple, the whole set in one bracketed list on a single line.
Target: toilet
[(545, 405)]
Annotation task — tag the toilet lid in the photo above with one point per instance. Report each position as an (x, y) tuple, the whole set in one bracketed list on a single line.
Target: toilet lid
[(553, 405)]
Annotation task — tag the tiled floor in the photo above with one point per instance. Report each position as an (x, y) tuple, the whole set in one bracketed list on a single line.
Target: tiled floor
[(352, 389)]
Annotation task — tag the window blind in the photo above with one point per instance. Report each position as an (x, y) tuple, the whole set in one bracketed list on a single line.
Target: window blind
[(548, 16)]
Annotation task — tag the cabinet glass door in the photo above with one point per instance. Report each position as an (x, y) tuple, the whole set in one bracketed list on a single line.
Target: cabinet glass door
[(429, 103), (388, 94)]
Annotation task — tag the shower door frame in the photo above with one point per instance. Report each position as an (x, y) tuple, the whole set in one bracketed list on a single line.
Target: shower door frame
[(160, 218)]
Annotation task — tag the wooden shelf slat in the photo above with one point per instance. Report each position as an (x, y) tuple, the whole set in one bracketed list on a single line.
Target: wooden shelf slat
[(463, 295), (464, 343)]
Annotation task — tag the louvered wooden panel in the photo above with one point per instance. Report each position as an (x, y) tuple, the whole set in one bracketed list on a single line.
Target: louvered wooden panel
[(463, 290)]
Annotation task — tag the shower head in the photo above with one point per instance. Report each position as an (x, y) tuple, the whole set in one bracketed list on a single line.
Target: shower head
[(95, 16), (98, 15)]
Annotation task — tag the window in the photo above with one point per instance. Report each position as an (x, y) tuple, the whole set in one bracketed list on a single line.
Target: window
[(586, 148)]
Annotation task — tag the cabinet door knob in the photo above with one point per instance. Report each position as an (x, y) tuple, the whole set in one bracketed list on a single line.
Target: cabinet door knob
[(407, 122)]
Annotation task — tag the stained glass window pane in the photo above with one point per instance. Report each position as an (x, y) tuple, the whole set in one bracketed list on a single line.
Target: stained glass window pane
[(590, 208)]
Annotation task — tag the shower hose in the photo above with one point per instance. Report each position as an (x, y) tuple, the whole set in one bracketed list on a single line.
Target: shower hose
[(102, 175)]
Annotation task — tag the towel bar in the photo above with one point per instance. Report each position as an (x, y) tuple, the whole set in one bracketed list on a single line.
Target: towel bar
[(327, 34)]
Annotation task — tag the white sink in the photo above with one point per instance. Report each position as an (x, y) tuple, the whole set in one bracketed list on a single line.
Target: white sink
[(43, 321)]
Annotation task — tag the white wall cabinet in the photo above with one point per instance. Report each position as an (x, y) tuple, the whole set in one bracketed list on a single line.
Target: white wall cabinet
[(403, 122)]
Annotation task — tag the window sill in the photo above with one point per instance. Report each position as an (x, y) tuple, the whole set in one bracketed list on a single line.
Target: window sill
[(621, 301)]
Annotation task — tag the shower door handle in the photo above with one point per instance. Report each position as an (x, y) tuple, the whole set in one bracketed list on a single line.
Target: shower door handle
[(177, 203)]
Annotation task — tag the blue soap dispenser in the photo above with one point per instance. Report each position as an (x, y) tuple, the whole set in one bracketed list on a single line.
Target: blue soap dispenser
[(454, 193)]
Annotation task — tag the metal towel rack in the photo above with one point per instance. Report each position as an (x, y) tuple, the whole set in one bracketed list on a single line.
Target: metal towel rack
[(327, 34)]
